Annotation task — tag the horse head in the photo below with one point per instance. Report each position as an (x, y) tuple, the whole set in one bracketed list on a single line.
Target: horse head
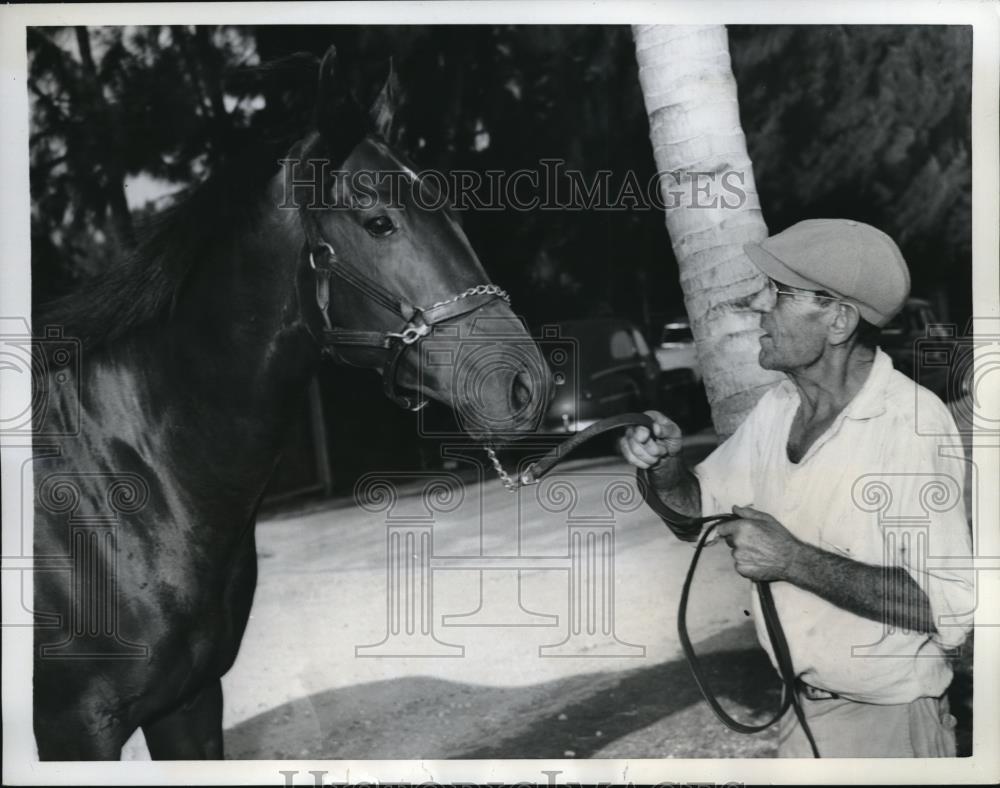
[(396, 285)]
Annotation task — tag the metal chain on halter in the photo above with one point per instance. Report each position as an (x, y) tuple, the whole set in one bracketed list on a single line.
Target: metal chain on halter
[(410, 335), (534, 472), (477, 290), (511, 485)]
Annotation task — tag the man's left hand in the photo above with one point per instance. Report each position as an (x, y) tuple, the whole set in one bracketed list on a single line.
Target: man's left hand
[(763, 548)]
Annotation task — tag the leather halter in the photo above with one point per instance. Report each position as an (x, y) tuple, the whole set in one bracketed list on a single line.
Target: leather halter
[(418, 322)]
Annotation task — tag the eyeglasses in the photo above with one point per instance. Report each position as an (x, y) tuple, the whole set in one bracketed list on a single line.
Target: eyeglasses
[(777, 291)]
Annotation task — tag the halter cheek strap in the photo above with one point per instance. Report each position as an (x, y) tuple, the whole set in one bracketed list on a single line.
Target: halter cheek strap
[(418, 322)]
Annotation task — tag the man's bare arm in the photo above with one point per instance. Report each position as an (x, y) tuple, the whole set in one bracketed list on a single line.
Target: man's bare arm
[(886, 594), (763, 549), (677, 486)]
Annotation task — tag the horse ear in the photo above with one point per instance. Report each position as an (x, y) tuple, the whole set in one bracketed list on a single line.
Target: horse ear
[(383, 110), (339, 118)]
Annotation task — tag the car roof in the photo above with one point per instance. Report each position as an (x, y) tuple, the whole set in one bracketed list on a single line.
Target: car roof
[(594, 337)]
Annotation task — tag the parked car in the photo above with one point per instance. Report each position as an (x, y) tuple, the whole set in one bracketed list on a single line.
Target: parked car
[(676, 349), (604, 367), (931, 353)]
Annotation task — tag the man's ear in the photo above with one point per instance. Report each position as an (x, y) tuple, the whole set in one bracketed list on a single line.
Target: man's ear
[(845, 323), (383, 109)]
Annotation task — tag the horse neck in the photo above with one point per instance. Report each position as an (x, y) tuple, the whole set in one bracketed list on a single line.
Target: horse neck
[(219, 384)]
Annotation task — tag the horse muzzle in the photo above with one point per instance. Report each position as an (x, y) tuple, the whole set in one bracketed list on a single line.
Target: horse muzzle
[(497, 389)]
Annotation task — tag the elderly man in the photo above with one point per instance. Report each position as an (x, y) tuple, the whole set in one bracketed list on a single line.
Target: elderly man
[(868, 620)]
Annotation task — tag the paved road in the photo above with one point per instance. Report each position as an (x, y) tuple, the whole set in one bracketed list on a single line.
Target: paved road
[(486, 685), (300, 688), (487, 682), (504, 666)]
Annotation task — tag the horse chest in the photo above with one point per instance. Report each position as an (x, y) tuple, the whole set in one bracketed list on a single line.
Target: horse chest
[(194, 580), (183, 598)]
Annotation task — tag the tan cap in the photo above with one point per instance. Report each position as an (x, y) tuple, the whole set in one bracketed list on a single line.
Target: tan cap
[(852, 260)]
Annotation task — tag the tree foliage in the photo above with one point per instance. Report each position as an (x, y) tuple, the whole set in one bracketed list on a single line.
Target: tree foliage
[(871, 123), (865, 122)]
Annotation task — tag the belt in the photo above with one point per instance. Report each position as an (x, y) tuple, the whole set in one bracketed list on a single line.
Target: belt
[(809, 692)]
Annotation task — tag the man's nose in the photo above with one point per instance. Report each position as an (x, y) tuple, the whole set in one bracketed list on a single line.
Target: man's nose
[(764, 300)]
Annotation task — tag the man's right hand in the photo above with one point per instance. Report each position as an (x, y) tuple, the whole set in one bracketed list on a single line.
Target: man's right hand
[(644, 449)]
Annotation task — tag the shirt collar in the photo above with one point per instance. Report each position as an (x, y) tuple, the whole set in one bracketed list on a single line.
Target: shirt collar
[(869, 402)]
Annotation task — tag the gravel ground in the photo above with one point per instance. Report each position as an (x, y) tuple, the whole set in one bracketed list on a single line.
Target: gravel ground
[(299, 689)]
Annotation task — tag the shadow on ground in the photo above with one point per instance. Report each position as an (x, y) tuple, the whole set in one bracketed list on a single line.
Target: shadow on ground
[(652, 712), (589, 715)]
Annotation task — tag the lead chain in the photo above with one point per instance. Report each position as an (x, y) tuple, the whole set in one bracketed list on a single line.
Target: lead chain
[(508, 483), (477, 290)]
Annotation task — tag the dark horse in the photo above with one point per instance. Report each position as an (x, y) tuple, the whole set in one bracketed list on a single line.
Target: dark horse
[(195, 356)]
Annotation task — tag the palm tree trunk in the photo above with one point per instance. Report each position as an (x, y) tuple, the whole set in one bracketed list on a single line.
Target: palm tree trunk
[(712, 207)]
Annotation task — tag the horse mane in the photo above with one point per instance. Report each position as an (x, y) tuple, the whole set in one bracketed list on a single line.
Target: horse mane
[(146, 284)]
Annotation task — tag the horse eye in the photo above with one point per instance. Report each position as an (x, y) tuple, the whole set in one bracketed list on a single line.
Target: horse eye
[(380, 226)]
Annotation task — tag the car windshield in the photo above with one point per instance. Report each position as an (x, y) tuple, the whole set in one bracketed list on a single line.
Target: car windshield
[(621, 345), (603, 344), (640, 342), (676, 332)]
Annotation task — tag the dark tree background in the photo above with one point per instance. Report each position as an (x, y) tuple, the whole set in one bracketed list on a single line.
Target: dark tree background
[(871, 123), (866, 122), (862, 122)]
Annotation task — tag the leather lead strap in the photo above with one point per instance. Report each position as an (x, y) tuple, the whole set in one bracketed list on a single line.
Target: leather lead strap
[(689, 529), (788, 692), (783, 656)]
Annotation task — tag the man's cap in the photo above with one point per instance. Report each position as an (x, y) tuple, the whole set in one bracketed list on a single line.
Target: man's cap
[(852, 260)]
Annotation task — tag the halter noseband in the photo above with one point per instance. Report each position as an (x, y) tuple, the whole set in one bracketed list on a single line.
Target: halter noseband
[(418, 323)]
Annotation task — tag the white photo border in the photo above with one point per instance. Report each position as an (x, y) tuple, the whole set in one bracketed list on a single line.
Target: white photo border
[(20, 765)]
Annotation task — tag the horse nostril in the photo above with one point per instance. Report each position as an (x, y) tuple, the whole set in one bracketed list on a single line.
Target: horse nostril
[(521, 391)]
